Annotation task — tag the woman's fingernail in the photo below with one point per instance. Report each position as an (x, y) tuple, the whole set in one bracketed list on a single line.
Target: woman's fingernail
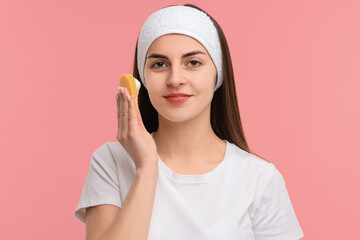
[(129, 98)]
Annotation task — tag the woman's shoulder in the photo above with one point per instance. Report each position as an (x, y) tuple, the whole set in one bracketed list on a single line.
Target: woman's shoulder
[(110, 147), (250, 161), (112, 151)]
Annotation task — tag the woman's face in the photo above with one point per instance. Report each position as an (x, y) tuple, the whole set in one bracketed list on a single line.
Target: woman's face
[(177, 63)]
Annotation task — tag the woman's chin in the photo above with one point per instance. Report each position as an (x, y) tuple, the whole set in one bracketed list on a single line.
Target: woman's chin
[(176, 117)]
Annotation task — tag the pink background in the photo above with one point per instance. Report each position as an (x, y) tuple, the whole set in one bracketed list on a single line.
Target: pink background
[(297, 68)]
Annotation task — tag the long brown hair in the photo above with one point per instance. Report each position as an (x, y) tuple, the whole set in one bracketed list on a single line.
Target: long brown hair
[(224, 117)]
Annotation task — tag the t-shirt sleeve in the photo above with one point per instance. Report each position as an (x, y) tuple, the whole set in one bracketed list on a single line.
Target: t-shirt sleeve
[(275, 217), (102, 184)]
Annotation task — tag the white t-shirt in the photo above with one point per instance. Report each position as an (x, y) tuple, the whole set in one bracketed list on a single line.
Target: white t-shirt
[(243, 198)]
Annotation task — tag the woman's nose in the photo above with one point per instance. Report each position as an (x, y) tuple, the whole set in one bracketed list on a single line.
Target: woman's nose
[(176, 77)]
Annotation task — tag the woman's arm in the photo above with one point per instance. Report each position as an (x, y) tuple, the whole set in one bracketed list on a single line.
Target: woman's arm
[(132, 221)]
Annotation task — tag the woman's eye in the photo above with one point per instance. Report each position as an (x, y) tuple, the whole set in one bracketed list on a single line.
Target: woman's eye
[(158, 65), (194, 63)]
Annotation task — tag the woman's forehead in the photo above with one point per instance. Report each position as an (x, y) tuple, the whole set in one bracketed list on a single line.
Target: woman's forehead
[(175, 42)]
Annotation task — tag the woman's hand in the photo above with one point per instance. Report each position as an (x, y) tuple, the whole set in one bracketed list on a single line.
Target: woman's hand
[(132, 134)]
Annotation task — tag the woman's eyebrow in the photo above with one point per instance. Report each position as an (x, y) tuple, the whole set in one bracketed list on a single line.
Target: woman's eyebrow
[(191, 53), (156, 55)]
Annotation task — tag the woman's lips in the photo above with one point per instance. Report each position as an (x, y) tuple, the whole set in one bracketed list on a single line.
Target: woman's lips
[(177, 100)]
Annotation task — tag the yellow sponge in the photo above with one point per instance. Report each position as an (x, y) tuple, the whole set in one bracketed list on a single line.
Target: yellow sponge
[(129, 82)]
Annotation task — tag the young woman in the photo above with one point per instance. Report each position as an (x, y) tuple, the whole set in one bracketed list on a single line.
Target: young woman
[(181, 168)]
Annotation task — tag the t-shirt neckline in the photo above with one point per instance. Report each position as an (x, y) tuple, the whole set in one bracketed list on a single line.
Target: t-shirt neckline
[(195, 178)]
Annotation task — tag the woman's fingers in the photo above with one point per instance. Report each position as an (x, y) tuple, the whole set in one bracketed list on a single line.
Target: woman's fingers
[(124, 113), (133, 122), (117, 95), (139, 119), (129, 118)]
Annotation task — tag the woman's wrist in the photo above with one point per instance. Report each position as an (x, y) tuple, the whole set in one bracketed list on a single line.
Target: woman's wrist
[(151, 170)]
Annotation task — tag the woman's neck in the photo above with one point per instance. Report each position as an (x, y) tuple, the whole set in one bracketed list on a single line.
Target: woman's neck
[(187, 142)]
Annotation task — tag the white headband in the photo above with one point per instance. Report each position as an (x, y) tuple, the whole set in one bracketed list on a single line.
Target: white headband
[(184, 20)]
